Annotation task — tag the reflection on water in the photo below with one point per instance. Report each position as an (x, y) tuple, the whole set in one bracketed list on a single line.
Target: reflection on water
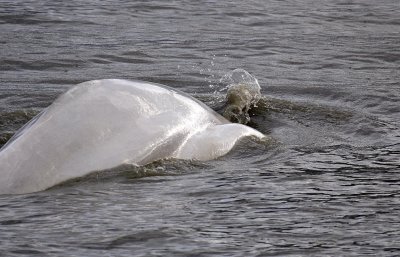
[(329, 75)]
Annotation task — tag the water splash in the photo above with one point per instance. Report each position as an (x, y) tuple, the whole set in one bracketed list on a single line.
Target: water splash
[(239, 77), (242, 93)]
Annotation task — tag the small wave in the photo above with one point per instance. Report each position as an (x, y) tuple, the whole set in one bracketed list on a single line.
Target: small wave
[(39, 65), (126, 172), (104, 58), (370, 57), (11, 121), (139, 237), (30, 17), (347, 158)]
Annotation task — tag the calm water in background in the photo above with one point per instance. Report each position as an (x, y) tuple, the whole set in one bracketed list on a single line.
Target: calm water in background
[(332, 69)]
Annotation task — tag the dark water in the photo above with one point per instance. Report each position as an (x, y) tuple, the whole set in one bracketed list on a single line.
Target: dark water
[(331, 72)]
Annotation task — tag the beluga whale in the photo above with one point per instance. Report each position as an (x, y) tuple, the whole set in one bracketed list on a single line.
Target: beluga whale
[(101, 124)]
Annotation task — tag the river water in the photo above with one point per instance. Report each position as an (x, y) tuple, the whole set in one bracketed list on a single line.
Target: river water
[(330, 71)]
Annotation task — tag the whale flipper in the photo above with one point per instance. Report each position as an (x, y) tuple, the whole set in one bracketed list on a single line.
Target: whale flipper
[(214, 141)]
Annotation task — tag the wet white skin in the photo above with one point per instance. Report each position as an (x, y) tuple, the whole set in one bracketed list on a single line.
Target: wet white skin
[(102, 124)]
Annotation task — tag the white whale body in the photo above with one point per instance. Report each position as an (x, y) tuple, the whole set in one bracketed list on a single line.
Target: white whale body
[(102, 124)]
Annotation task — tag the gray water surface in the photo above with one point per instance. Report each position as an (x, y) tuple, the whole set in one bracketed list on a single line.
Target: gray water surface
[(331, 72)]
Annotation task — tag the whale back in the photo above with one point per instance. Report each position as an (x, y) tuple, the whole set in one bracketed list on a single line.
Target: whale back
[(102, 124)]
